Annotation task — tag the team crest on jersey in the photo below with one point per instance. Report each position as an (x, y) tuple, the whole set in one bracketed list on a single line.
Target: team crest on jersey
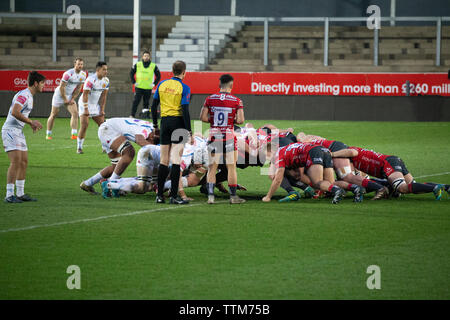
[(104, 85)]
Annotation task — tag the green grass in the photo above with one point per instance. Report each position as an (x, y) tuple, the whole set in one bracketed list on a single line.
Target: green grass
[(310, 249)]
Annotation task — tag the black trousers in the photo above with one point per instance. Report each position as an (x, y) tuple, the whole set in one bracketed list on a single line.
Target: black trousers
[(139, 93)]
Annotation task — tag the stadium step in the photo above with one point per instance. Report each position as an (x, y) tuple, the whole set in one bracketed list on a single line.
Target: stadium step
[(186, 41)]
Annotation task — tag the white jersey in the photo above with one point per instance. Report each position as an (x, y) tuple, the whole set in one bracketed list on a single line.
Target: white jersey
[(96, 87), (114, 128), (23, 98), (193, 152), (130, 127), (72, 80)]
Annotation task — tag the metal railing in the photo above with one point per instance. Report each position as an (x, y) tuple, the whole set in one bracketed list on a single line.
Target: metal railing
[(326, 21), (101, 19)]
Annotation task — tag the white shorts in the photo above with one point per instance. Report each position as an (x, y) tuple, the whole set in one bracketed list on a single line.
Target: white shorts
[(94, 110), (14, 139), (144, 159), (57, 100), (107, 136)]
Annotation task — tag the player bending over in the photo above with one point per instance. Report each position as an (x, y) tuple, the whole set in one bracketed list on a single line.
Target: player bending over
[(115, 135), (394, 170), (317, 163), (342, 166), (66, 94)]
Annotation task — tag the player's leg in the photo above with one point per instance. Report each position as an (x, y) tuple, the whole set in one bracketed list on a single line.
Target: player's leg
[(163, 169), (73, 109), (84, 124), (316, 173), (230, 161), (176, 151), (136, 100), (99, 119), (14, 166), (122, 146), (214, 159), (146, 104), (51, 122)]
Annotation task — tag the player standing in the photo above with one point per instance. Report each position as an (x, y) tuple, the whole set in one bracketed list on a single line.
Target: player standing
[(14, 141), (222, 110), (174, 97), (66, 94), (93, 101)]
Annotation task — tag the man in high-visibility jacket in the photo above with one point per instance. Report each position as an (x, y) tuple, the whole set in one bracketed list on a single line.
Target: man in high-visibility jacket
[(147, 76)]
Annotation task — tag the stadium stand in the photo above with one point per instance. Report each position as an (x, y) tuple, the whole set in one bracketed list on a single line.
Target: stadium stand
[(31, 41), (300, 49)]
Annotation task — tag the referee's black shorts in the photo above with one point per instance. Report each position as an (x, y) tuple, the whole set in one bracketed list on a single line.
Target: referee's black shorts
[(168, 133)]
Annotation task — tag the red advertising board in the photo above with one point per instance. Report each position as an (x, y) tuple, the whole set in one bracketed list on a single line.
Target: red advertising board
[(272, 83)]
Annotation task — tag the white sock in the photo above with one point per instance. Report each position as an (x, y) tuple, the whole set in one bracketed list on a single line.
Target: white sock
[(167, 184), (49, 132), (93, 180), (20, 187), (114, 176), (184, 182), (80, 143), (74, 131), (9, 190)]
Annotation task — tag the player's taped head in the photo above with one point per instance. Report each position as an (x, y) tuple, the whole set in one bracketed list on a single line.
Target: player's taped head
[(397, 183), (115, 160), (123, 146), (343, 172)]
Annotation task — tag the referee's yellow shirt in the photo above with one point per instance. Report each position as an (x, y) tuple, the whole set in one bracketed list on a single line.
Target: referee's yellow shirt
[(172, 93)]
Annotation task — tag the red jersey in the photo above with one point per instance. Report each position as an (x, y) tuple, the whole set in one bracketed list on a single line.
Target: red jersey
[(294, 155), (369, 161), (222, 109), (322, 142)]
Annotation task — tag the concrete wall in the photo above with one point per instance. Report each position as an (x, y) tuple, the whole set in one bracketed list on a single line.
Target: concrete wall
[(431, 108), (250, 8)]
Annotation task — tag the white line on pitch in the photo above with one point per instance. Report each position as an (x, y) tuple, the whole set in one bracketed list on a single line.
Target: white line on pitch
[(104, 217), (433, 175)]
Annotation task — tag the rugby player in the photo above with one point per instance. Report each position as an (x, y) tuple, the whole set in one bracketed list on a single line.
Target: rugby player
[(116, 135), (93, 101), (317, 163), (342, 166), (174, 97), (394, 170), (221, 111), (14, 142), (66, 94)]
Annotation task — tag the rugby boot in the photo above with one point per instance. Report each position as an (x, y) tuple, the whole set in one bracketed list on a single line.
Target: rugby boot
[(26, 197), (293, 196), (89, 189)]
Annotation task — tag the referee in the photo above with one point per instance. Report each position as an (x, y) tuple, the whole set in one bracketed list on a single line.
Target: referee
[(144, 70), (174, 97)]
